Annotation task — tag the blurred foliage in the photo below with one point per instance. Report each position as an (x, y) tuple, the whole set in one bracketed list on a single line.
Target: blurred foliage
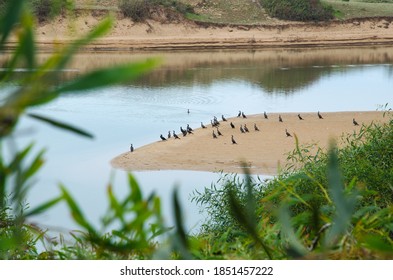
[(334, 204)]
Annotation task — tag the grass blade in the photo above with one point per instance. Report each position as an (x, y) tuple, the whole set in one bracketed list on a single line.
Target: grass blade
[(61, 125)]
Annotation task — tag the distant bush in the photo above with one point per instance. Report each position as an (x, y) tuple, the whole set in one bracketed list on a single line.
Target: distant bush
[(137, 10), (299, 10), (46, 9), (140, 10)]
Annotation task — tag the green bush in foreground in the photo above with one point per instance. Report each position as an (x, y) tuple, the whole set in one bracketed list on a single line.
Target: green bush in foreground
[(298, 10), (337, 204)]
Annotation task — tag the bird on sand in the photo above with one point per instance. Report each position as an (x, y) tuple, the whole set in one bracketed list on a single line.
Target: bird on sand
[(233, 140), (300, 118), (131, 148), (319, 115), (202, 125), (214, 135), (279, 118), (354, 122), (169, 134), (189, 128), (218, 132), (223, 118), (240, 113), (246, 128), (287, 133), (241, 129), (232, 125), (162, 138), (265, 115), (175, 135), (244, 115), (255, 127)]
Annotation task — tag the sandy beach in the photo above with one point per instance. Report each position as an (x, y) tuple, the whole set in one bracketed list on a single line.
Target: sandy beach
[(263, 151), (187, 35)]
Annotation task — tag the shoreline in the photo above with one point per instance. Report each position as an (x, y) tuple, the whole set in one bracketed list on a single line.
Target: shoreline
[(187, 35), (264, 151)]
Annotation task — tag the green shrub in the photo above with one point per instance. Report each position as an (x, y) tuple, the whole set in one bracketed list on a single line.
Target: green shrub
[(47, 9), (140, 10), (137, 10), (299, 10)]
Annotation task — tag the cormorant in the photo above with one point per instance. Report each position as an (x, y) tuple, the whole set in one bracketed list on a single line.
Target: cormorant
[(218, 132), (169, 134), (246, 128), (354, 122), (241, 129), (300, 118), (223, 118), (233, 140), (214, 135), (255, 127), (244, 116), (319, 115), (175, 135), (240, 113), (162, 138), (265, 115), (287, 133), (232, 125), (279, 118), (202, 125), (131, 148)]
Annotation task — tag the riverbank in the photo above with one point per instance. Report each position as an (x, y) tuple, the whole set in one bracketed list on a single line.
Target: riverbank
[(263, 151), (154, 35)]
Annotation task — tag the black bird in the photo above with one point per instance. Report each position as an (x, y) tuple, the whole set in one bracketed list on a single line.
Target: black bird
[(169, 134), (216, 122), (354, 122), (214, 135), (223, 118), (218, 132), (183, 130), (241, 129), (279, 118), (240, 113), (162, 138), (188, 111), (265, 115), (300, 118), (131, 148), (232, 125), (233, 140), (246, 128), (287, 133), (244, 116), (255, 127), (319, 115), (175, 135), (189, 128), (202, 125)]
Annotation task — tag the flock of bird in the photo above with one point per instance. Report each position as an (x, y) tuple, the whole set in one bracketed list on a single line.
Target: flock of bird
[(215, 123)]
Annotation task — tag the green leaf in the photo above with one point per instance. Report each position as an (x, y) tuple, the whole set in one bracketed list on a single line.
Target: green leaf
[(109, 76), (61, 125), (12, 16), (75, 211), (240, 215), (44, 207), (345, 205), (296, 247)]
